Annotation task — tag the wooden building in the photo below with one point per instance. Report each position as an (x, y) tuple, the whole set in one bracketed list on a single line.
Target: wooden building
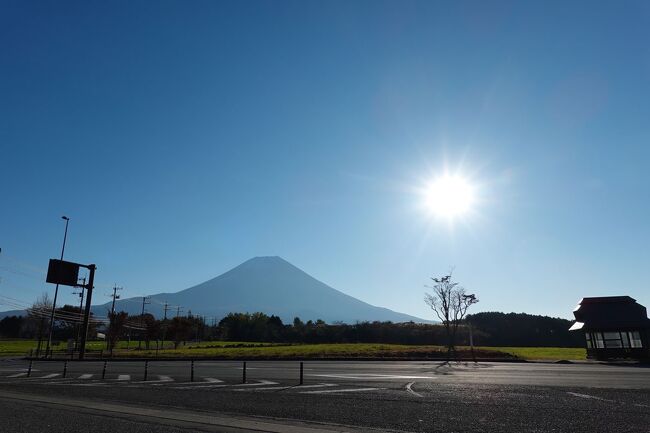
[(614, 327)]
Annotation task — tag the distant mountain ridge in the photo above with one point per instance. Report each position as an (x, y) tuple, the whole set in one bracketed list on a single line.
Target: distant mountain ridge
[(266, 284)]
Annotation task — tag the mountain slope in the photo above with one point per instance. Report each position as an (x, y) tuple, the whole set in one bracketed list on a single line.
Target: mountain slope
[(266, 284)]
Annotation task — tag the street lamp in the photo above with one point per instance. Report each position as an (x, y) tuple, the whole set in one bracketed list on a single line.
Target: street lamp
[(56, 290)]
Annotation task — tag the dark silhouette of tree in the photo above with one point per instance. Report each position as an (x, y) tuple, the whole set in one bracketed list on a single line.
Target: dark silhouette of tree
[(10, 326), (520, 329), (180, 330), (450, 302), (116, 328)]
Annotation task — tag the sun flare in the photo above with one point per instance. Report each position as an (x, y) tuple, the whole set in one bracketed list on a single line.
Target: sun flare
[(449, 196)]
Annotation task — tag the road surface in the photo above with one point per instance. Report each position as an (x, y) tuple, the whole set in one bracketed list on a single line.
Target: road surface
[(334, 396)]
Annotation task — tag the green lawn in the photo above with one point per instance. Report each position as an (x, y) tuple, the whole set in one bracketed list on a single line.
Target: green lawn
[(545, 353), (251, 350)]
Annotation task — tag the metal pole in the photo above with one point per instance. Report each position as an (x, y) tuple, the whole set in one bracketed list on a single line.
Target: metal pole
[(29, 370), (115, 296), (146, 368), (144, 299), (192, 371), (104, 371), (301, 369), (56, 290), (244, 373), (65, 368), (471, 341), (81, 308), (84, 329)]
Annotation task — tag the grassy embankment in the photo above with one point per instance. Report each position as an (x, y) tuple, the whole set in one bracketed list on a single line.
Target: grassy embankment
[(241, 350)]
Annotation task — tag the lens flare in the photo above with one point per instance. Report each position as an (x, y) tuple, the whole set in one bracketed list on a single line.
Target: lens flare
[(449, 196)]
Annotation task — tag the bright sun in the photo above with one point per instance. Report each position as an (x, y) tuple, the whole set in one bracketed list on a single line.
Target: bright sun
[(449, 196)]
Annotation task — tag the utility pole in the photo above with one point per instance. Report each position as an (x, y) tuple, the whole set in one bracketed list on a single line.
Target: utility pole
[(56, 290), (164, 324), (178, 310), (144, 302), (89, 295), (81, 307), (115, 296)]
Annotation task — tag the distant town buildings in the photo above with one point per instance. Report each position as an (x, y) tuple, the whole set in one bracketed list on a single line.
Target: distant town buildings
[(614, 327)]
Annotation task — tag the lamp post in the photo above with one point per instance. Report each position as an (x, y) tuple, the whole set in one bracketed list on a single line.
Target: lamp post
[(56, 290)]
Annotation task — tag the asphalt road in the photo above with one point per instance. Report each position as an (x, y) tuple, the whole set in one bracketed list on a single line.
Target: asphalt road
[(335, 396)]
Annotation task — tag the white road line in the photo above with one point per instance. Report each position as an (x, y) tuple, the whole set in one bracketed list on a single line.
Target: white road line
[(85, 376), (329, 391), (587, 396), (194, 385), (49, 376), (18, 375), (124, 377), (408, 388), (212, 380), (93, 383), (238, 385), (368, 376), (258, 383), (296, 387), (207, 382)]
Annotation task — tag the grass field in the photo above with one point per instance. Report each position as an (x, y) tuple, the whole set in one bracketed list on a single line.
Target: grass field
[(545, 353), (250, 350)]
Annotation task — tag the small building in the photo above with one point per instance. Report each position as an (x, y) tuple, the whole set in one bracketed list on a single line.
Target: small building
[(614, 327)]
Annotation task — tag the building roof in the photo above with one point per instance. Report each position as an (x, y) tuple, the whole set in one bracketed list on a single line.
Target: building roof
[(610, 312)]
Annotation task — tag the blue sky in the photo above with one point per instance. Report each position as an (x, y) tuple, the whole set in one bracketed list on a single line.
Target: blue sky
[(183, 138)]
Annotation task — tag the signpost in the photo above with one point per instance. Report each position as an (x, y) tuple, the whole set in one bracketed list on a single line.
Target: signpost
[(67, 274)]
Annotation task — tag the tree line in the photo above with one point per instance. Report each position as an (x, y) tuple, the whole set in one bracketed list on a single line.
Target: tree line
[(489, 329)]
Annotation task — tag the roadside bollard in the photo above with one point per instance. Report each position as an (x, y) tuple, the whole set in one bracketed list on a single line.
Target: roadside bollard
[(29, 370), (146, 367), (65, 368), (104, 371), (301, 369), (244, 373), (192, 371)]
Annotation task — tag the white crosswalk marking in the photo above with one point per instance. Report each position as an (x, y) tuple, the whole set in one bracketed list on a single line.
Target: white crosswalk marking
[(124, 377), (161, 379), (85, 376), (327, 391), (18, 375), (50, 376)]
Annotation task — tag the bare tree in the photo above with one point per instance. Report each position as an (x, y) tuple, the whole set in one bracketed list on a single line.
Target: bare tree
[(37, 319), (450, 302)]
